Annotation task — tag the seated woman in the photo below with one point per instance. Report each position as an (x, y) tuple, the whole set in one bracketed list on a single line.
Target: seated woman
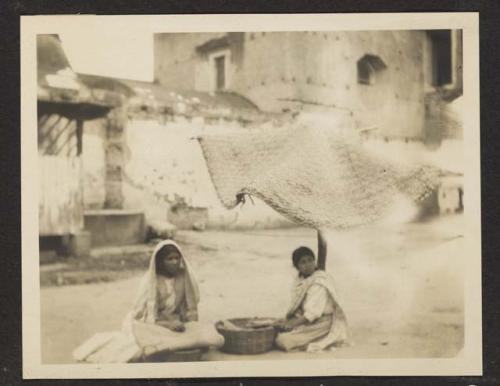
[(164, 318), (315, 320)]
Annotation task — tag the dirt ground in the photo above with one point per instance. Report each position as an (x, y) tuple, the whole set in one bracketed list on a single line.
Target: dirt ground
[(401, 288)]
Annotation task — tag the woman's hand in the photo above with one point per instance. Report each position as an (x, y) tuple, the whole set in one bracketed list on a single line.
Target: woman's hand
[(178, 326), (280, 324), (173, 325), (288, 324), (285, 325)]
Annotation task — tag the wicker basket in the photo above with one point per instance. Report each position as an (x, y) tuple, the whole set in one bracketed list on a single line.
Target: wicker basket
[(247, 340), (193, 355)]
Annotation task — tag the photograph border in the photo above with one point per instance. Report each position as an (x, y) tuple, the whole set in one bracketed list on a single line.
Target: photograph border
[(470, 363)]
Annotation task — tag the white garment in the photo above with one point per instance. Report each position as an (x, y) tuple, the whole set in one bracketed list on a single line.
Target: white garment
[(317, 303), (166, 290), (339, 330), (140, 335)]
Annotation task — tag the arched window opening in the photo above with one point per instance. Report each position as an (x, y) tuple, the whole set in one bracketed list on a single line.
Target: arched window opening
[(369, 66)]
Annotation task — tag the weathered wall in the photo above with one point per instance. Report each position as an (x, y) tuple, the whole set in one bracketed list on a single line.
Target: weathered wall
[(314, 67), (394, 103), (175, 58), (165, 168), (115, 126), (443, 120), (267, 73), (449, 156), (94, 163), (321, 68), (103, 160)]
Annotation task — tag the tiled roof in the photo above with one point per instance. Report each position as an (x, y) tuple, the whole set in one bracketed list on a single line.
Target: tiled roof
[(58, 83), (193, 103)]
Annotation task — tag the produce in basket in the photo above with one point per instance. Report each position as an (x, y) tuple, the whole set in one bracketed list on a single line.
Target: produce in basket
[(247, 335)]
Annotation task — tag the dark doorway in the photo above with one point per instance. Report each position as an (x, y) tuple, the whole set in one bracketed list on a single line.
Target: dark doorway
[(220, 72), (441, 57)]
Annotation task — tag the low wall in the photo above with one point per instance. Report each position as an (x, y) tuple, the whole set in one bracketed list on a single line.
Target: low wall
[(165, 167), (449, 156), (115, 227)]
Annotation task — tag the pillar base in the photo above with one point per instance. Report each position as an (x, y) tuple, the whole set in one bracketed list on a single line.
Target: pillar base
[(79, 244)]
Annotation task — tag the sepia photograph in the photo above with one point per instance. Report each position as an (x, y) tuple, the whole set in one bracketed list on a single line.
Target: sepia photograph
[(229, 195)]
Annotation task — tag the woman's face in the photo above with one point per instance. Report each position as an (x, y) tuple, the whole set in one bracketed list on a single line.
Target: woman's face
[(306, 265), (171, 263)]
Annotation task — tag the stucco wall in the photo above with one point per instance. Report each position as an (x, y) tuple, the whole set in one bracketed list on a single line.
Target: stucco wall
[(443, 120), (102, 154), (176, 61), (394, 103), (164, 166), (316, 67), (94, 163)]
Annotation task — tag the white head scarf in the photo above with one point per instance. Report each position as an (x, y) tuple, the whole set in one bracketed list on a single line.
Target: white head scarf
[(146, 306)]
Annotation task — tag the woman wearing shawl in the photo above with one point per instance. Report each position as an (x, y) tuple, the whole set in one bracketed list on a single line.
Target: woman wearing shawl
[(315, 320), (164, 317)]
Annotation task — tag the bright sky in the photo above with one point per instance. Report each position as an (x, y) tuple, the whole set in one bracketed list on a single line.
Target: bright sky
[(120, 54)]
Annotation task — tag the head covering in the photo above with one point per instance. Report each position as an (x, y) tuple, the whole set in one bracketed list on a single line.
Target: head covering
[(146, 306)]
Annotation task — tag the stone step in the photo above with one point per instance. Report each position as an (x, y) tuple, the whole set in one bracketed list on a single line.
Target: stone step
[(115, 227)]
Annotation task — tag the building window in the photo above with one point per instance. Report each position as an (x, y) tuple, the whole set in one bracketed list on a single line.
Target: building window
[(219, 70), (441, 55), (369, 66), (365, 73)]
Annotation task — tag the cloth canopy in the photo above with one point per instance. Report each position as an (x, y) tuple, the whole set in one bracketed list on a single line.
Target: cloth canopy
[(315, 176)]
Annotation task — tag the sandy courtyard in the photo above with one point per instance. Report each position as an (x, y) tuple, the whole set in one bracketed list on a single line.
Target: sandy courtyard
[(401, 287)]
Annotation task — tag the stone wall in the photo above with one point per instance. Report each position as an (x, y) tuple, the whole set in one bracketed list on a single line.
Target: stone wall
[(163, 172), (115, 126), (175, 59), (289, 70), (103, 160), (94, 163)]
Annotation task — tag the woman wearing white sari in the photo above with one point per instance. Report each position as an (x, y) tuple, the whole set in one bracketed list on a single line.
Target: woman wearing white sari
[(315, 321), (164, 317)]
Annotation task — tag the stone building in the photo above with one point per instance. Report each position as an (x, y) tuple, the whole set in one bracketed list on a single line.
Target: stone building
[(396, 81), (117, 157), (141, 166)]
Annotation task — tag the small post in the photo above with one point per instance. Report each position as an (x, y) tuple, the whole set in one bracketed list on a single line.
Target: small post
[(322, 250)]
